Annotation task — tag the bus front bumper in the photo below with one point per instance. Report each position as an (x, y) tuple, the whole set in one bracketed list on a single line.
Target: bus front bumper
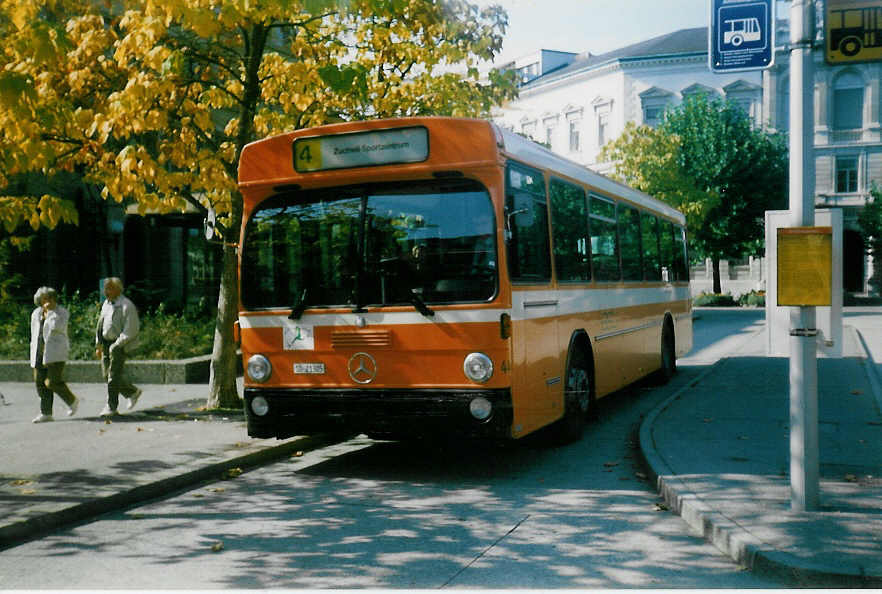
[(380, 413)]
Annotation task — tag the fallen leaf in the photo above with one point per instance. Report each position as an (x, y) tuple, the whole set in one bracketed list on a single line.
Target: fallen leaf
[(217, 547), (27, 491), (708, 419), (662, 507), (232, 473), (21, 482), (217, 490), (610, 464), (851, 478), (856, 392), (139, 429)]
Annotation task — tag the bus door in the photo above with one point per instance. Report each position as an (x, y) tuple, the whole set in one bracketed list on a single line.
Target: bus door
[(536, 376)]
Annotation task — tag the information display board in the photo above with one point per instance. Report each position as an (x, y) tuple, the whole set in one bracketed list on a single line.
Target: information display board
[(805, 266)]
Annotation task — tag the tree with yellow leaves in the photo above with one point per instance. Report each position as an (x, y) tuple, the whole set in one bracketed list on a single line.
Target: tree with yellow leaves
[(153, 100)]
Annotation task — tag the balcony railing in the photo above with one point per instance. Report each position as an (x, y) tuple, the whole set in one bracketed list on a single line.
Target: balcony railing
[(844, 136)]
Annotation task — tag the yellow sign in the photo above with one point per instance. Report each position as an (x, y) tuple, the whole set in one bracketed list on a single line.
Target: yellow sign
[(853, 31), (805, 266)]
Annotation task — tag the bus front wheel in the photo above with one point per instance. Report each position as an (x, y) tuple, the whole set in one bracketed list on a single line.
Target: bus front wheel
[(578, 397)]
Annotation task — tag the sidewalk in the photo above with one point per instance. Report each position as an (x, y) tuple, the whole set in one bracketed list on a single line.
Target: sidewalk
[(56, 474), (720, 450)]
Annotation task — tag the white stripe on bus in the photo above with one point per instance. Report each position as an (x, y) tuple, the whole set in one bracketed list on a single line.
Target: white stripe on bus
[(528, 305)]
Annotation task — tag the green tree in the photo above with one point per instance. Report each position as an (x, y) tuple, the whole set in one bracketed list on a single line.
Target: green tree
[(707, 159), (154, 101), (870, 224)]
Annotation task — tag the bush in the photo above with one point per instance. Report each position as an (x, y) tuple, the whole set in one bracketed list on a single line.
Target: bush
[(715, 300), (753, 299), (164, 335)]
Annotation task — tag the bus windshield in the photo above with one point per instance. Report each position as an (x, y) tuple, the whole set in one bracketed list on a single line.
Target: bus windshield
[(371, 245)]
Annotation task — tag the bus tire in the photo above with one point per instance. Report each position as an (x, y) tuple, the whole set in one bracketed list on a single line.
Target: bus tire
[(578, 396), (668, 352)]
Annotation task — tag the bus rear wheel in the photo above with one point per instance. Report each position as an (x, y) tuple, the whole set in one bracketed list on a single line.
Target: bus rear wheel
[(668, 353)]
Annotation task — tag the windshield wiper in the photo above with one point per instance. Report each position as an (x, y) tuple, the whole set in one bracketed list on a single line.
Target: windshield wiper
[(298, 308), (419, 304)]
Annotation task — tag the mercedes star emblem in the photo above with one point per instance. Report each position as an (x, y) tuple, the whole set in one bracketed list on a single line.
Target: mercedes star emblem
[(362, 368)]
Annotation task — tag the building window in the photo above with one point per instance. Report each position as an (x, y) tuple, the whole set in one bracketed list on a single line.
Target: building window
[(528, 129), (848, 102), (575, 144), (846, 175), (652, 115), (602, 128), (549, 135)]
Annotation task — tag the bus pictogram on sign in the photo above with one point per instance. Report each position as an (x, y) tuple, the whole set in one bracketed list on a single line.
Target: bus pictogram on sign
[(853, 31)]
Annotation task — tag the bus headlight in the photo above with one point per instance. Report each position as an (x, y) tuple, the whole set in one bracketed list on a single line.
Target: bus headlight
[(478, 367), (259, 368), (259, 406)]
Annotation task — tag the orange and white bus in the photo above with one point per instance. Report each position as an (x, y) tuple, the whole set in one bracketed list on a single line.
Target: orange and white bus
[(419, 275)]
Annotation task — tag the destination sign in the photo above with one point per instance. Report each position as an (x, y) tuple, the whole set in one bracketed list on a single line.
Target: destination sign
[(361, 149)]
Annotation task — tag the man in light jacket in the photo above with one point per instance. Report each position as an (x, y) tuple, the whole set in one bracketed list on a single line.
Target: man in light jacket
[(50, 347), (116, 337)]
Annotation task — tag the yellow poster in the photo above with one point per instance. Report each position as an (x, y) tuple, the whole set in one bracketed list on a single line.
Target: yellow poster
[(805, 266)]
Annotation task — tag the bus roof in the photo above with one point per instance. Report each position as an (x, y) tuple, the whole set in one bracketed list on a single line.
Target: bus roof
[(531, 153), (269, 162)]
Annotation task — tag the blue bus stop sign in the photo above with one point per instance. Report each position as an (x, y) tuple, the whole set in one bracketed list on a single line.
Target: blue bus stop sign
[(742, 35)]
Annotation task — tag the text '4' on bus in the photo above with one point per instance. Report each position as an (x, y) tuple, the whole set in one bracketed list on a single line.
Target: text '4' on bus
[(425, 276)]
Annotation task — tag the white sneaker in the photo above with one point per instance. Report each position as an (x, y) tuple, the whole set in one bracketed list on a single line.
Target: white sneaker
[(134, 399), (73, 407), (43, 419), (106, 411)]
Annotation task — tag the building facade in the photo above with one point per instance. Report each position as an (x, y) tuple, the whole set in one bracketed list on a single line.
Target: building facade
[(576, 103)]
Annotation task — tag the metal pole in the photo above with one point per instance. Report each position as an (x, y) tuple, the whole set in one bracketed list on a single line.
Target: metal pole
[(804, 475)]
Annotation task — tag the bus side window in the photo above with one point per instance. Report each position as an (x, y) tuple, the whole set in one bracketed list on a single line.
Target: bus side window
[(666, 242), (629, 236), (529, 257), (651, 264), (604, 239), (569, 224), (681, 259)]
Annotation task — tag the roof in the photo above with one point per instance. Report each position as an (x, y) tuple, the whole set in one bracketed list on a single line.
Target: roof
[(684, 41)]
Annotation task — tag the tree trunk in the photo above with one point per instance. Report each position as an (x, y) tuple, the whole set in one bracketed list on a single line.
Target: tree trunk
[(718, 287), (222, 390)]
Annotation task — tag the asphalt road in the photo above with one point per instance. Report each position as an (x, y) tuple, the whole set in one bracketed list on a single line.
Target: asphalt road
[(365, 514)]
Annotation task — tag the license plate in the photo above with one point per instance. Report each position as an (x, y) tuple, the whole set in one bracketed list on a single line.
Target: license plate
[(309, 368)]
